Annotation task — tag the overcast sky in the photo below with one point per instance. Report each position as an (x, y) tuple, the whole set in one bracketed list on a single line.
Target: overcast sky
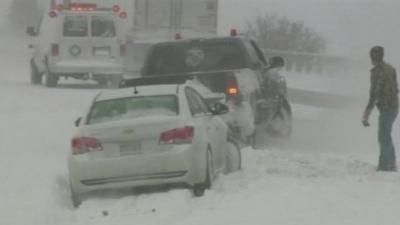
[(351, 26)]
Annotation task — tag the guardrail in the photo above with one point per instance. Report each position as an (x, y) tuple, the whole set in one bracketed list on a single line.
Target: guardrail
[(309, 63)]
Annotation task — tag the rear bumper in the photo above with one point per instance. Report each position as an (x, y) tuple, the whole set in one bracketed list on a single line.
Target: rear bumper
[(178, 166), (101, 66)]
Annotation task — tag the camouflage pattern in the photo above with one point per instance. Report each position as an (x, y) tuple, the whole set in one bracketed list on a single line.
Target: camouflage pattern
[(384, 89)]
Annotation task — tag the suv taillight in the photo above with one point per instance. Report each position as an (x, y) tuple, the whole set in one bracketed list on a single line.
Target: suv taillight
[(177, 136), (232, 90), (122, 51), (55, 49), (83, 145)]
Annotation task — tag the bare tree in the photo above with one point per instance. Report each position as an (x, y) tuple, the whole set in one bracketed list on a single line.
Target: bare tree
[(280, 33)]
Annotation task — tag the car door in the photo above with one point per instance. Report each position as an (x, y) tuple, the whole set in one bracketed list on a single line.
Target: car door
[(213, 125)]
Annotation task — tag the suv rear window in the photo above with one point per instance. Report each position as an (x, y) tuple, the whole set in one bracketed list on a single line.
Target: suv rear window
[(75, 26), (132, 108), (187, 57), (103, 26)]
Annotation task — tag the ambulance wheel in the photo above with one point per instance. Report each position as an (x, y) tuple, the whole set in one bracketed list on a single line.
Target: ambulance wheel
[(51, 79), (36, 77)]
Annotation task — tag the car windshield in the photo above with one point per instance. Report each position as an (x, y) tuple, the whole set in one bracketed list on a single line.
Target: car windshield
[(132, 108), (75, 26), (187, 57), (103, 26)]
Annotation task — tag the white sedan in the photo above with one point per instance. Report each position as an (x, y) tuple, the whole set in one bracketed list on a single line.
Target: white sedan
[(151, 135)]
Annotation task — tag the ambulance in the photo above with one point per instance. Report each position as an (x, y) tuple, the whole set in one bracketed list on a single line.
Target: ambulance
[(81, 41)]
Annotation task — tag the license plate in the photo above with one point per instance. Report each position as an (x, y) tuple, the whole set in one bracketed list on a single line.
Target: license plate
[(102, 51), (131, 148)]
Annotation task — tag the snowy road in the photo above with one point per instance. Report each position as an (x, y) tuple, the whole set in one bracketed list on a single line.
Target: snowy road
[(324, 175)]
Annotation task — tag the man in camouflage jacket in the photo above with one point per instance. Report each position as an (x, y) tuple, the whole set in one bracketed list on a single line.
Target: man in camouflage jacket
[(383, 94)]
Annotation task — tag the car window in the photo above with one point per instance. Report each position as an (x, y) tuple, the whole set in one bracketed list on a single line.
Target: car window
[(259, 52), (131, 108), (103, 26), (198, 55), (75, 26), (252, 52), (196, 103)]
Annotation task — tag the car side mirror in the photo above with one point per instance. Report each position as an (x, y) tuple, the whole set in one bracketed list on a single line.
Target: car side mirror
[(78, 122), (276, 61), (31, 31), (219, 108)]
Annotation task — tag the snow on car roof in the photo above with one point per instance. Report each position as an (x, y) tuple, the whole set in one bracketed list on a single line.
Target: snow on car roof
[(142, 91)]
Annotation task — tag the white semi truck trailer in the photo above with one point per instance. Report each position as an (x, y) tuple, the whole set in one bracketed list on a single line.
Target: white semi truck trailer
[(161, 20)]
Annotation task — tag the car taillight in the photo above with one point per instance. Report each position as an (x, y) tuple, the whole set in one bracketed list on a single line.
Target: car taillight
[(177, 136), (232, 86), (234, 33), (233, 91), (83, 145), (55, 50), (178, 36), (122, 50)]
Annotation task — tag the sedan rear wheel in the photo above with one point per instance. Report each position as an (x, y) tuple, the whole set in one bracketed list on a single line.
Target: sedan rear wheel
[(75, 198), (199, 189)]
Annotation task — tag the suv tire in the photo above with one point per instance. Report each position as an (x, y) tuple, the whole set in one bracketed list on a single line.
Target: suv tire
[(233, 157), (281, 125)]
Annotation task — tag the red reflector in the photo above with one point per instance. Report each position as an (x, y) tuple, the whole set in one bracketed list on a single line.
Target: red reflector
[(85, 145), (60, 7), (234, 33), (116, 8), (53, 14), (177, 136), (178, 36), (55, 50), (123, 50), (123, 15)]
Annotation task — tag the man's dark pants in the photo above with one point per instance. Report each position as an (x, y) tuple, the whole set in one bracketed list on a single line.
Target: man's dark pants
[(387, 159)]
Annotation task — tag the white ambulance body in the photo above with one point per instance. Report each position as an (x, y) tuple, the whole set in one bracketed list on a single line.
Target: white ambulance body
[(81, 41)]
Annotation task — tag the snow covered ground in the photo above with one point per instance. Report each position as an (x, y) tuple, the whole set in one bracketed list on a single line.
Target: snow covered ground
[(324, 175)]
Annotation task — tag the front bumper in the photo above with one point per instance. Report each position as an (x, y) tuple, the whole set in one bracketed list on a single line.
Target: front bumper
[(177, 166)]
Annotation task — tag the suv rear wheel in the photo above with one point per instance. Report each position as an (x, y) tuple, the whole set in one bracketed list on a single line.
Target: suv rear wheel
[(233, 157), (281, 125)]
